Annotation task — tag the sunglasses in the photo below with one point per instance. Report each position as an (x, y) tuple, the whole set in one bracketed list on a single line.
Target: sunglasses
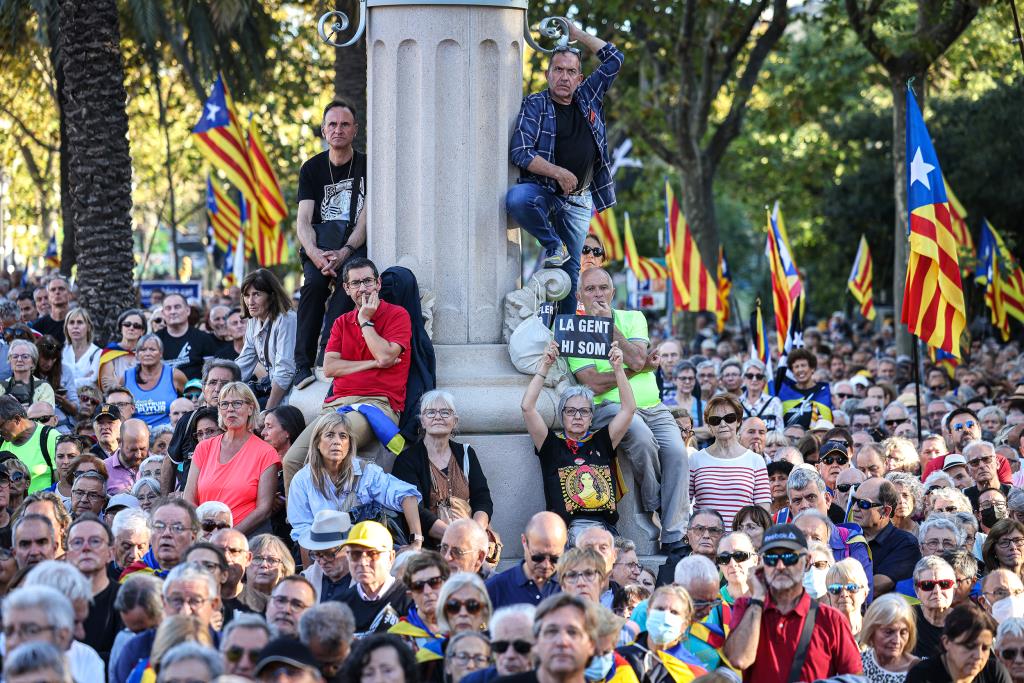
[(134, 326), (522, 647), (835, 460), (753, 376), (929, 586), (537, 558), (234, 654), (1011, 653), (43, 419), (435, 582), (593, 251), (210, 525), (961, 426), (715, 420), (843, 397), (894, 423), (738, 555), (567, 48), (788, 559), (843, 488), (16, 476), (864, 504), (837, 588), (473, 606)]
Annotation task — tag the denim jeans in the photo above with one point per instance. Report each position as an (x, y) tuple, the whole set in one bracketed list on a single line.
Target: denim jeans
[(554, 219)]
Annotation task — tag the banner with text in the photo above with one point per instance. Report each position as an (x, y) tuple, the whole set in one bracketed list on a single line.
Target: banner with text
[(583, 336)]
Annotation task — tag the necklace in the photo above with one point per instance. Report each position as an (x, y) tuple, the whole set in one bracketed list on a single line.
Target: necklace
[(348, 171)]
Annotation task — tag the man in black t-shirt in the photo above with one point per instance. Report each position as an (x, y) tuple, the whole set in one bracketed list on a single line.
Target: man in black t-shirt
[(59, 297), (185, 347), (331, 226)]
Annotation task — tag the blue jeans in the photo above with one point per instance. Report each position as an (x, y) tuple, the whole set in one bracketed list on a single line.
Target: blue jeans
[(554, 219)]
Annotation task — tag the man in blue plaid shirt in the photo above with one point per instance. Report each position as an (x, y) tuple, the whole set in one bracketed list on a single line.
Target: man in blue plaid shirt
[(560, 144)]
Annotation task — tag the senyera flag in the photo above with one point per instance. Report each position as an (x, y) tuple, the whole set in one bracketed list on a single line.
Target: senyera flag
[(693, 287), (606, 228), (643, 268), (933, 295), (860, 280)]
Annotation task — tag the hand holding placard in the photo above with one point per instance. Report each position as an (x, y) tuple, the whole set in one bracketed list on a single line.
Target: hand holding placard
[(584, 336)]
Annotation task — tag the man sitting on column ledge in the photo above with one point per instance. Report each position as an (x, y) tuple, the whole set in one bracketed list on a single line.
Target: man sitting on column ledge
[(560, 143)]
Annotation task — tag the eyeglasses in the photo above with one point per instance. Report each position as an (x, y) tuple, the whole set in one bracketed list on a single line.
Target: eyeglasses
[(94, 543), (578, 412), (443, 413), (176, 528), (1002, 593), (325, 555), (537, 558), (6, 554), (193, 601), (434, 582), (267, 559), (356, 554), (465, 658), (588, 575), (20, 356), (738, 555), (715, 420), (837, 588), (843, 488), (1007, 543), (1011, 653), (15, 477), (865, 504), (709, 530), (211, 525), (961, 426), (788, 559), (635, 566), (282, 601), (203, 434), (835, 460), (597, 252), (26, 631), (936, 543), (235, 653), (122, 404), (981, 460), (134, 326), (522, 647), (457, 553), (873, 409), (929, 586), (821, 564), (232, 405), (754, 377), (365, 282), (707, 604), (473, 606), (91, 496)]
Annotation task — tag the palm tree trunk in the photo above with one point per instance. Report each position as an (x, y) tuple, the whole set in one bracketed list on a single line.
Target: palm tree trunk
[(99, 164)]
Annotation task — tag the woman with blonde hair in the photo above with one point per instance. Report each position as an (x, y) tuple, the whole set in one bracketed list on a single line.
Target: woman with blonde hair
[(334, 478), (847, 589), (271, 562), (888, 635), (463, 604), (237, 467), (583, 572), (80, 354), (670, 613)]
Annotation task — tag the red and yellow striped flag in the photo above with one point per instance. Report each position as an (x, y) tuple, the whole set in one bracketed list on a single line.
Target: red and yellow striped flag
[(223, 215), (724, 290), (643, 268), (860, 281), (933, 296), (967, 256), (269, 239), (606, 228), (693, 288), (220, 139)]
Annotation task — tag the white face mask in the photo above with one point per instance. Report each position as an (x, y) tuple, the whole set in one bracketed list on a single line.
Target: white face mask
[(663, 626), (814, 582), (1011, 607)]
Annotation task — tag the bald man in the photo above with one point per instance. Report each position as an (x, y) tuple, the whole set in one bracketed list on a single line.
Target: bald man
[(753, 432), (534, 578), (464, 546), (123, 465)]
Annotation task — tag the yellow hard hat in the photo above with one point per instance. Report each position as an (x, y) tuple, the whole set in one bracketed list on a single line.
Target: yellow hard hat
[(373, 535)]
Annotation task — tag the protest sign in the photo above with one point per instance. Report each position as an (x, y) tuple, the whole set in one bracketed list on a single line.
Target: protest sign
[(583, 336)]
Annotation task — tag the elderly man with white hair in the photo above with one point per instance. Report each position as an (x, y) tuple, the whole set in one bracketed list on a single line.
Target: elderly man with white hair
[(982, 465), (43, 614), (188, 589), (935, 536), (700, 577), (464, 546), (1009, 646), (131, 537)]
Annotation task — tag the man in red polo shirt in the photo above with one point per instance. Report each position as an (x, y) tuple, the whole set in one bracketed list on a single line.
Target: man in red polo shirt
[(768, 628), (365, 356)]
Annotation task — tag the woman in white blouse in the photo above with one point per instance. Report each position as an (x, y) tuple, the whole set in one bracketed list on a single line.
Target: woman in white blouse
[(80, 354), (269, 337)]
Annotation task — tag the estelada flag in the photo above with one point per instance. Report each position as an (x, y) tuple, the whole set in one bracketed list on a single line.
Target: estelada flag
[(860, 280), (933, 295), (223, 214)]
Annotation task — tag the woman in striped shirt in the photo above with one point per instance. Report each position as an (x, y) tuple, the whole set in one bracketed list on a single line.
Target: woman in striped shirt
[(727, 476)]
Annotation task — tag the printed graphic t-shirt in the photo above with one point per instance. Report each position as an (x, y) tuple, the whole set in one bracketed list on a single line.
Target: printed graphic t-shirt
[(579, 476)]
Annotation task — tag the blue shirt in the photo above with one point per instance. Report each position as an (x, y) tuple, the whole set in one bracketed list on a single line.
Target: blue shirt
[(513, 587), (894, 552), (483, 676), (534, 132)]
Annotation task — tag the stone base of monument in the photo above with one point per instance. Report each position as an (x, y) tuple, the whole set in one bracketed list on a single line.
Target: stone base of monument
[(488, 390)]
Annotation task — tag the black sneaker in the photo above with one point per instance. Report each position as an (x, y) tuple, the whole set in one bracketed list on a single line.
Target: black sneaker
[(303, 378)]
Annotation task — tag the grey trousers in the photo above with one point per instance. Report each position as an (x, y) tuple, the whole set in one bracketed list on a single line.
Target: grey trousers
[(655, 450)]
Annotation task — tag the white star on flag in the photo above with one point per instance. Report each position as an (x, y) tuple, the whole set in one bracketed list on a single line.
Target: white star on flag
[(919, 170), (212, 109)]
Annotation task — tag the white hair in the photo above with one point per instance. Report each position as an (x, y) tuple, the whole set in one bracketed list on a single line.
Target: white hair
[(60, 576), (131, 519), (193, 651), (51, 602), (37, 657), (214, 507), (693, 570), (457, 582), (191, 571), (523, 610), (940, 523), (1011, 628)]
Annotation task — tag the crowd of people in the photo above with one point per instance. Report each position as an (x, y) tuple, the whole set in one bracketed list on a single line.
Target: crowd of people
[(166, 515)]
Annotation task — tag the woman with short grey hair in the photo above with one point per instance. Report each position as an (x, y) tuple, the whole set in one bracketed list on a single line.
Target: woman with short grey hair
[(190, 661), (23, 357), (463, 592), (38, 661), (1009, 647), (911, 496)]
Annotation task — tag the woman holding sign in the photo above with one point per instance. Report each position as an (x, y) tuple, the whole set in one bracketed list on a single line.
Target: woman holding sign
[(577, 464)]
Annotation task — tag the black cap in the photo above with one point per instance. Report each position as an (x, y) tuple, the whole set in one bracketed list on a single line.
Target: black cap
[(780, 467), (783, 536), (831, 446), (107, 410), (286, 651)]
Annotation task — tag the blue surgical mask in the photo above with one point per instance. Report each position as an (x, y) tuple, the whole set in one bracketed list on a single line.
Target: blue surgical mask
[(663, 626), (599, 667)]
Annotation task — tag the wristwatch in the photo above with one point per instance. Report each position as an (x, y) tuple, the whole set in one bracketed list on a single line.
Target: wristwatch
[(368, 323), (417, 537)]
